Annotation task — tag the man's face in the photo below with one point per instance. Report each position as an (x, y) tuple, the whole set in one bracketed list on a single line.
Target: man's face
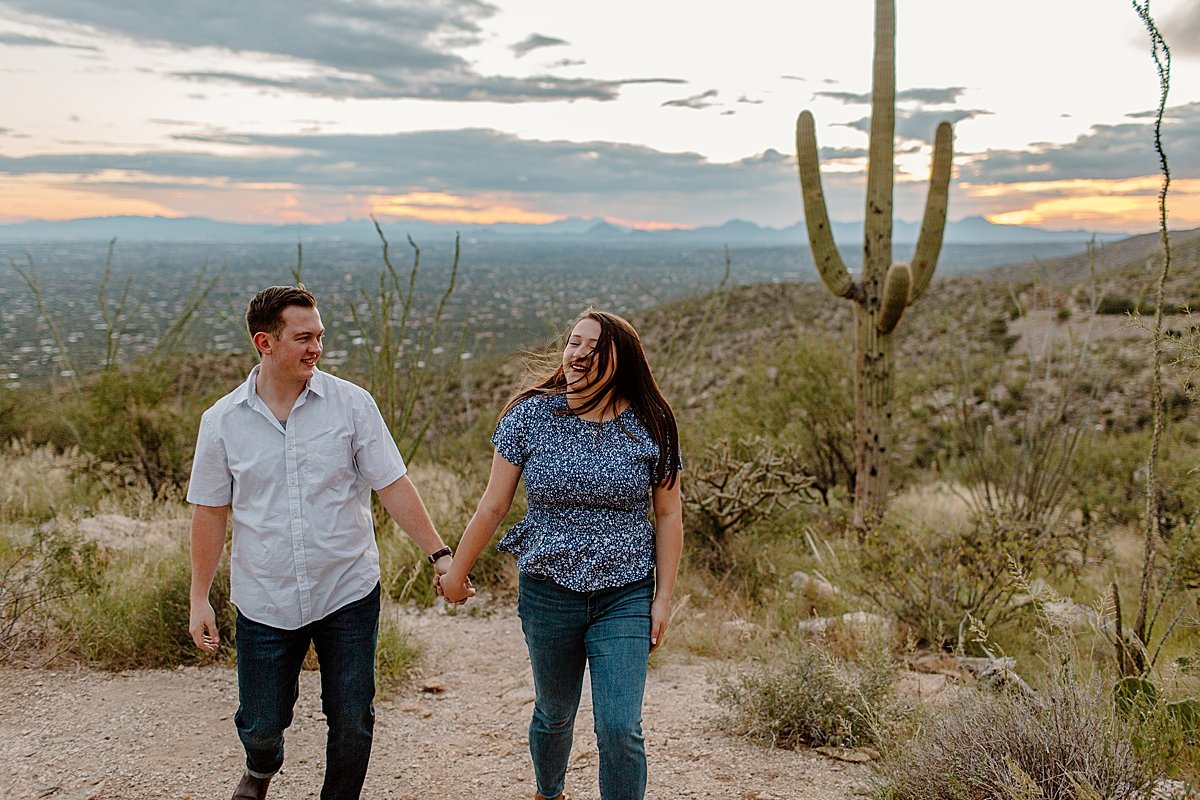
[(295, 351)]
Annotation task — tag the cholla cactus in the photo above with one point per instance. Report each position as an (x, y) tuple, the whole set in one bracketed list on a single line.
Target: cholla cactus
[(885, 288)]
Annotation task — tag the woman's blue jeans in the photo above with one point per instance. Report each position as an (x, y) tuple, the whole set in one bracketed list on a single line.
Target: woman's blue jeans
[(269, 661), (609, 631)]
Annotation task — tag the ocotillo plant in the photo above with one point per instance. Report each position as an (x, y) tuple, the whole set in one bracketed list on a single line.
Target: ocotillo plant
[(884, 289)]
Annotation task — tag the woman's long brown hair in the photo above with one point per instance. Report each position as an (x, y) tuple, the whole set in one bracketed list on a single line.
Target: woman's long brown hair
[(632, 381)]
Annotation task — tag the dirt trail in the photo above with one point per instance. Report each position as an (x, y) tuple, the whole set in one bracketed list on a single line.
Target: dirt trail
[(169, 733)]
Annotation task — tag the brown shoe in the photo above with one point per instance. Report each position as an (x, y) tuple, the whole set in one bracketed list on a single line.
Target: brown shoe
[(251, 788)]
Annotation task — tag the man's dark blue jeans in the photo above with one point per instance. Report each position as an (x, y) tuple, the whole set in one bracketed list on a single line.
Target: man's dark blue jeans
[(269, 661)]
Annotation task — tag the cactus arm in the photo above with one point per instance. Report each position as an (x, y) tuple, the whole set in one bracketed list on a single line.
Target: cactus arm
[(929, 243), (825, 254), (896, 287), (877, 253)]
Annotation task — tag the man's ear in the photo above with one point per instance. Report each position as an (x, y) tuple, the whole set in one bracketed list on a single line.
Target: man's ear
[(263, 343)]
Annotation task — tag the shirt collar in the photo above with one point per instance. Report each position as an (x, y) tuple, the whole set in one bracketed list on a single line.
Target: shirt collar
[(318, 384)]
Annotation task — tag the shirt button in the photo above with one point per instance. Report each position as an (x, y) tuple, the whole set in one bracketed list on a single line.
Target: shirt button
[(295, 514), (291, 445)]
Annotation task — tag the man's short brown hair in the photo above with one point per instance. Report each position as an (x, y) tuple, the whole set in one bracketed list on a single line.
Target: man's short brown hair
[(265, 312)]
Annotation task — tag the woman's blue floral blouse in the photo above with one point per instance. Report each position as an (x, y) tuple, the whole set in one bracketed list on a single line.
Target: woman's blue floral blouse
[(588, 487)]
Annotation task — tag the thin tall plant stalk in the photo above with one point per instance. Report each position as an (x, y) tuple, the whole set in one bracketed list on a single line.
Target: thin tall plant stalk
[(1134, 657)]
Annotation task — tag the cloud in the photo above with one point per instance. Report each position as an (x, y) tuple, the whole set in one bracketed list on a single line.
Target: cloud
[(931, 96), (842, 153), (695, 101), (459, 161), (533, 42), (926, 96), (9, 39), (849, 98), (1104, 152), (496, 89), (919, 125), (1181, 29), (354, 48), (331, 173), (748, 101)]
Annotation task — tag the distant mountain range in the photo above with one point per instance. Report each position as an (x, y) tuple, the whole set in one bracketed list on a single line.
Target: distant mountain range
[(971, 230)]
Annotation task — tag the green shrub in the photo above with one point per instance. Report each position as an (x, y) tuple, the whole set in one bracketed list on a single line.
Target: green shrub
[(36, 577), (1116, 304), (807, 696), (138, 616), (395, 654), (142, 423), (933, 580), (796, 396)]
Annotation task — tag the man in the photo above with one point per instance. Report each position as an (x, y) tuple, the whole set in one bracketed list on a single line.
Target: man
[(295, 453)]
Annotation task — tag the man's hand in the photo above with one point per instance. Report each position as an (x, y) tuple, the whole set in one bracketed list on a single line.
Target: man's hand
[(203, 626)]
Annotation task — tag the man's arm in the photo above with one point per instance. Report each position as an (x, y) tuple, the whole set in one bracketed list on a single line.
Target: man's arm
[(208, 542), (405, 506)]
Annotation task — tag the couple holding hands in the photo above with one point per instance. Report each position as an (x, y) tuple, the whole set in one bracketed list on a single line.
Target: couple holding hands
[(294, 453)]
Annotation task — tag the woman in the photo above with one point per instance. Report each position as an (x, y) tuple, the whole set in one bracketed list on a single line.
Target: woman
[(597, 445)]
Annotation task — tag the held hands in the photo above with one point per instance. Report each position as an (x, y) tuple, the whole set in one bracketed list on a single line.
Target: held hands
[(450, 586), (202, 624)]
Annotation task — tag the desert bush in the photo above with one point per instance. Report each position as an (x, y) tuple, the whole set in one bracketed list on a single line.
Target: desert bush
[(1117, 304), (38, 482), (734, 484), (36, 576), (137, 615), (140, 424), (935, 579), (395, 653), (1165, 733), (1064, 744), (804, 695), (798, 395)]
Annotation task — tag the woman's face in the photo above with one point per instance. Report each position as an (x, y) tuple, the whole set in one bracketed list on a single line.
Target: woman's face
[(579, 365)]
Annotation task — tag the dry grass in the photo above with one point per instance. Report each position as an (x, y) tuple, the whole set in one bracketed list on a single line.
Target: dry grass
[(1059, 746), (806, 696)]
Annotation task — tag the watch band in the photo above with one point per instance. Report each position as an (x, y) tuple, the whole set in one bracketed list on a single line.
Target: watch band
[(445, 551)]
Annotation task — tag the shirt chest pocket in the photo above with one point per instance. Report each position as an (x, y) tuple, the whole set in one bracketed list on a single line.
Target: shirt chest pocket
[(329, 459)]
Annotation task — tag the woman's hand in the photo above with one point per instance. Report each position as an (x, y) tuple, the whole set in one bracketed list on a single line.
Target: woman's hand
[(452, 586), (660, 617)]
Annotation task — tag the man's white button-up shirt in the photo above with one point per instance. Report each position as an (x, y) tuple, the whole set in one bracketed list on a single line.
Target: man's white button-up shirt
[(300, 491)]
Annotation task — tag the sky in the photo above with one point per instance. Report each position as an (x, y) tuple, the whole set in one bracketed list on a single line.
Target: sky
[(647, 113)]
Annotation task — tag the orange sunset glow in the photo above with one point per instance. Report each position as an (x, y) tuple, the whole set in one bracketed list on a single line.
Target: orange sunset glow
[(23, 198), (1129, 204), (441, 207)]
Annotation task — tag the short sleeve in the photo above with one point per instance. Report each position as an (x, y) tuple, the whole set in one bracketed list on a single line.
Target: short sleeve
[(376, 456), (211, 482), (511, 436)]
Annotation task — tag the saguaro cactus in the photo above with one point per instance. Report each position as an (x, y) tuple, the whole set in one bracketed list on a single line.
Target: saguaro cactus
[(884, 288)]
